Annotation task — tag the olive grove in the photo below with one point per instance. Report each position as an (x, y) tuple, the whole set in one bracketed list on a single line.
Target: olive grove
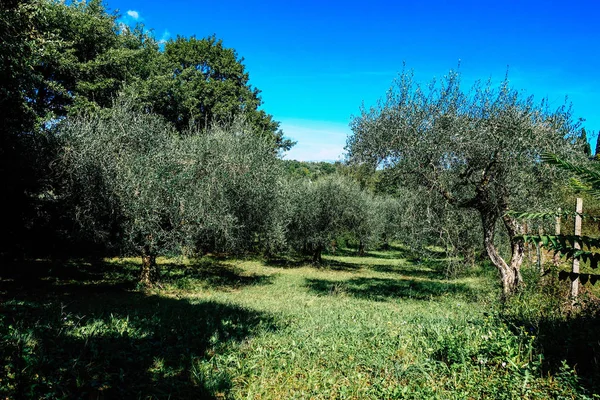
[(131, 176)]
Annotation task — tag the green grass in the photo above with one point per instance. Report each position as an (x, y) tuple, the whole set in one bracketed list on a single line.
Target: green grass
[(378, 326)]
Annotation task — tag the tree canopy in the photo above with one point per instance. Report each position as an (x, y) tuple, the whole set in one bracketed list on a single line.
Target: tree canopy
[(198, 82), (476, 150), (323, 210), (157, 192)]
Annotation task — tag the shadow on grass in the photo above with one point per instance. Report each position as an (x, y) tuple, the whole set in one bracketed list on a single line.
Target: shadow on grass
[(380, 289), (576, 341), (338, 265), (62, 339), (213, 274), (287, 262), (43, 279), (389, 253), (571, 339), (79, 270), (430, 269), (299, 262), (100, 276)]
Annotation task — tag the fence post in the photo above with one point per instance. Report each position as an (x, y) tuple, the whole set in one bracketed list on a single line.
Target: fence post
[(540, 256), (575, 269)]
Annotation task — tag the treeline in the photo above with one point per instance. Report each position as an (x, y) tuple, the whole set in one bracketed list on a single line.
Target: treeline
[(115, 144), (133, 184)]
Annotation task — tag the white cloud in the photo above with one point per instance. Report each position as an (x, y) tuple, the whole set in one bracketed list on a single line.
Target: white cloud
[(134, 14), (317, 140), (130, 19), (164, 37)]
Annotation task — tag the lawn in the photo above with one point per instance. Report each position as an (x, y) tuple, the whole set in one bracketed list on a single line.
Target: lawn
[(379, 326)]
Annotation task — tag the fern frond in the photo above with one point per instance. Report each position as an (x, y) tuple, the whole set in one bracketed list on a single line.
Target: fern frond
[(587, 180)]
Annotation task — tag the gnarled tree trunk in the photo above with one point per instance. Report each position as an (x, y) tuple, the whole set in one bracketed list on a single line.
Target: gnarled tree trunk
[(510, 273)]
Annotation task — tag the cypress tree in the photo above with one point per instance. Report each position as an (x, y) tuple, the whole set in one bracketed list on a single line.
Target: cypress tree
[(587, 148)]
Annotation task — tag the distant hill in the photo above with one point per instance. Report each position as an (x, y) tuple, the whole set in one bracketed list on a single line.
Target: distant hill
[(310, 169)]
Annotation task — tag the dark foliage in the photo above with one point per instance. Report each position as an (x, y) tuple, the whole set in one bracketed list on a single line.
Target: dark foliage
[(66, 333)]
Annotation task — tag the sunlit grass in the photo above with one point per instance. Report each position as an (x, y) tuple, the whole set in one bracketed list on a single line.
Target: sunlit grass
[(378, 326)]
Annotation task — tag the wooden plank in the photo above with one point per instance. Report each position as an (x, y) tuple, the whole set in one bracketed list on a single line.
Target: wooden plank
[(575, 269), (556, 257), (540, 255)]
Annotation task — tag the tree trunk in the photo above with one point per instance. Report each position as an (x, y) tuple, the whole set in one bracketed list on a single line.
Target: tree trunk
[(149, 272), (267, 252), (510, 273), (385, 245), (306, 248), (317, 259), (517, 250), (361, 248)]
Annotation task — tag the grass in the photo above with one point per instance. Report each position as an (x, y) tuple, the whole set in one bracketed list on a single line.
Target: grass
[(379, 326)]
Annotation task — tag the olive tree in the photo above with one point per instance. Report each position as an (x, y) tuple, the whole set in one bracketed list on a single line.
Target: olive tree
[(477, 150), (387, 216), (325, 209), (369, 226), (164, 192)]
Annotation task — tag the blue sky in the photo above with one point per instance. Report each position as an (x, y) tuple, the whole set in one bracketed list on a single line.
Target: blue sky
[(317, 62)]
